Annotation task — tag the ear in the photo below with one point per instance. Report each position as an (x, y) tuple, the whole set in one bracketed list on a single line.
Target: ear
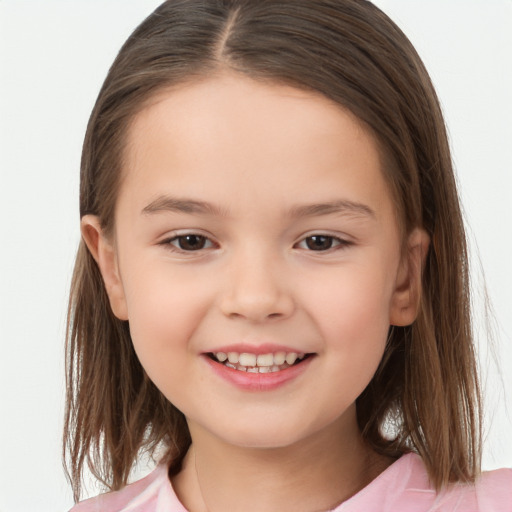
[(103, 251), (406, 297)]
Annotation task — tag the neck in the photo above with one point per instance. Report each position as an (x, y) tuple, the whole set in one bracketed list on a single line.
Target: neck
[(314, 475)]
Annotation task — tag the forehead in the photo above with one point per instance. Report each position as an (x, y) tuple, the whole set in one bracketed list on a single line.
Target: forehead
[(232, 135), (220, 104)]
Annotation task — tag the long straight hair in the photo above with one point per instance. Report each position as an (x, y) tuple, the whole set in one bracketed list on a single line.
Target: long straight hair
[(348, 50)]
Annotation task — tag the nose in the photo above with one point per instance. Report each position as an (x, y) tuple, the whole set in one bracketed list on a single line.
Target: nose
[(257, 290)]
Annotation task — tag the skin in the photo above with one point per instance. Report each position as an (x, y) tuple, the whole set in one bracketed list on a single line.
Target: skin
[(260, 154)]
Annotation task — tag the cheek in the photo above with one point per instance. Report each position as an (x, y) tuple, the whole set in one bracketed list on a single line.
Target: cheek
[(351, 311), (351, 297), (164, 309)]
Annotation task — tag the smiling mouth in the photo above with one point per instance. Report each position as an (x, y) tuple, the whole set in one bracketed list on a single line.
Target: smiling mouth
[(261, 363)]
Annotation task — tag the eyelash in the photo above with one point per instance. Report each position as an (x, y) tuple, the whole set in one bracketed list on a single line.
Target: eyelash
[(334, 242), (180, 238)]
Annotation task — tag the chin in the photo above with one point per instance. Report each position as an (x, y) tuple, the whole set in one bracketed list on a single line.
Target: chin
[(262, 442), (265, 435)]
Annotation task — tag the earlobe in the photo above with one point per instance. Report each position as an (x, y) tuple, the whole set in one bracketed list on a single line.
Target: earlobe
[(406, 298), (103, 251)]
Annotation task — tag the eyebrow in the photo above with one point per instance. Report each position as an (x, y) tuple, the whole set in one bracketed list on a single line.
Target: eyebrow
[(182, 205), (342, 207), (192, 206)]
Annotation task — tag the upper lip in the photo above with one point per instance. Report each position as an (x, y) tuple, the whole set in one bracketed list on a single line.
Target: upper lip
[(258, 349)]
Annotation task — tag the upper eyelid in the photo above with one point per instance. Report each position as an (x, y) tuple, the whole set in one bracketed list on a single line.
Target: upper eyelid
[(337, 236), (173, 234), (174, 249), (341, 242), (344, 239), (168, 238)]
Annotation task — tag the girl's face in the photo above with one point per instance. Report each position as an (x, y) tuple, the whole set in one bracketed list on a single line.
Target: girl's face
[(254, 219)]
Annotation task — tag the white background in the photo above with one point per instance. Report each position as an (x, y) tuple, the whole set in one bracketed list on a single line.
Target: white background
[(53, 58)]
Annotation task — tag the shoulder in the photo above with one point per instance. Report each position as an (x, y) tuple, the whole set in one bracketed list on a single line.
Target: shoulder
[(493, 491), (405, 487), (154, 493)]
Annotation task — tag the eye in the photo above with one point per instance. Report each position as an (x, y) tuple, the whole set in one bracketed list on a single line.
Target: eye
[(190, 242), (321, 243)]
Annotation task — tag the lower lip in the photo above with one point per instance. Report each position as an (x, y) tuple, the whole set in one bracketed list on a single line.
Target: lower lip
[(259, 381)]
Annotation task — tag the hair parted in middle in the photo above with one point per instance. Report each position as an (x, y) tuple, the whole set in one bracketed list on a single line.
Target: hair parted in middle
[(350, 52)]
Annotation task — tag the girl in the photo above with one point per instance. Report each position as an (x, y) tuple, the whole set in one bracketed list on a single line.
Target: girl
[(272, 289)]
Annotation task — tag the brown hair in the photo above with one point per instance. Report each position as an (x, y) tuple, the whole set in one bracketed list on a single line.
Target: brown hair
[(348, 50)]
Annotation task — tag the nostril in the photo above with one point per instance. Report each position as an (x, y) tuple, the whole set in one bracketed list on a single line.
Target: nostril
[(256, 304)]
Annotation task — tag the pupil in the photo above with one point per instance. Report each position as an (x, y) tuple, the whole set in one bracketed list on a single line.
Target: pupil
[(319, 243), (192, 242)]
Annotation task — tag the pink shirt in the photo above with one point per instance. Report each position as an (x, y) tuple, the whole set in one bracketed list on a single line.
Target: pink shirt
[(402, 487)]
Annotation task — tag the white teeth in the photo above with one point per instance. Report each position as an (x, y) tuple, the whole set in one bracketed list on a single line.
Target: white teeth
[(233, 357), (262, 363), (221, 356), (291, 358), (265, 360), (247, 359), (257, 369), (279, 358)]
